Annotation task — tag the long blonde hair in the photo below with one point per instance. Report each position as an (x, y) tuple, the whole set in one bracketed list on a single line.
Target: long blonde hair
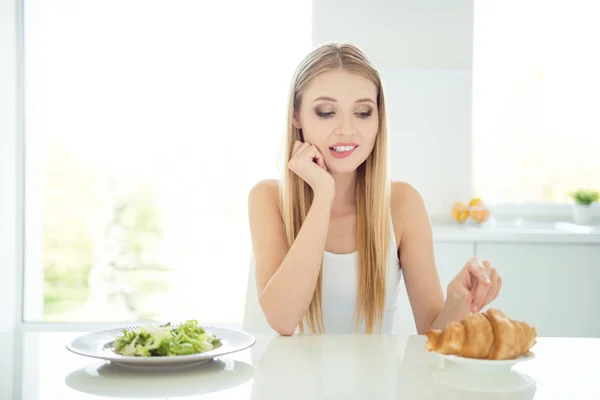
[(372, 191)]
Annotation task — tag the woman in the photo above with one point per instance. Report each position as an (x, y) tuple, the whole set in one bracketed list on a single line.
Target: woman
[(331, 240)]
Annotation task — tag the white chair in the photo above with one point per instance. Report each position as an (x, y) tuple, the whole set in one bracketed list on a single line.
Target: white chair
[(404, 318), (254, 319)]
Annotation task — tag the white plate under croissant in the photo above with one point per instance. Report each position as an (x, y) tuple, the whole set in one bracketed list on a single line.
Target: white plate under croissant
[(487, 365), (489, 339)]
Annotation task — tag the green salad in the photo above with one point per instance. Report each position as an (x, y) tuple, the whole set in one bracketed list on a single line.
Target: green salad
[(165, 340)]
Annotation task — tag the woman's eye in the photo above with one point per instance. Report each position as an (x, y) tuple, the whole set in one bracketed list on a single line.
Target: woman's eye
[(325, 114), (329, 114)]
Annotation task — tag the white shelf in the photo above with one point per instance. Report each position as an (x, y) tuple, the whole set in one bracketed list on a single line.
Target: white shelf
[(536, 232)]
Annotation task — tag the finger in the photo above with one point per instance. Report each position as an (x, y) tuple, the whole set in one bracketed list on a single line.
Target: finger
[(482, 285), (469, 298), (479, 296), (486, 264), (319, 158), (468, 280), (296, 151), (466, 295), (295, 148), (313, 153), (303, 147), (493, 292), (499, 287), (479, 271), (473, 291)]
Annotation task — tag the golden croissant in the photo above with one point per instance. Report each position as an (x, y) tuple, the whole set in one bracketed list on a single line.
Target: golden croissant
[(490, 335)]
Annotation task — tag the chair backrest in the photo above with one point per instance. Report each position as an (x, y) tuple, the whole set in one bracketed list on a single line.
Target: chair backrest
[(254, 319), (405, 321)]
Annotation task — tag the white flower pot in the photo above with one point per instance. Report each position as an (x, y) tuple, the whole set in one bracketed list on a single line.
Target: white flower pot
[(582, 214)]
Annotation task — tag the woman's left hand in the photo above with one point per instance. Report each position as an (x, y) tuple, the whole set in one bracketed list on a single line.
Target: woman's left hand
[(475, 286)]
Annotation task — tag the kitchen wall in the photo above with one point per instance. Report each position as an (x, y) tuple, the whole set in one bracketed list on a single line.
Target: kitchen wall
[(423, 49)]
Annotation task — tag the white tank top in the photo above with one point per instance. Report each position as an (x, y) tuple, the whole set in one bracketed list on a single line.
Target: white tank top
[(339, 290)]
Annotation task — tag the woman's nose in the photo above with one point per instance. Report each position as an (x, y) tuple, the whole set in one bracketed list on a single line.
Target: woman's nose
[(346, 128)]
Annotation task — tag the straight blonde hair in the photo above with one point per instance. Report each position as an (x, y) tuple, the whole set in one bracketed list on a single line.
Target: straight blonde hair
[(372, 191)]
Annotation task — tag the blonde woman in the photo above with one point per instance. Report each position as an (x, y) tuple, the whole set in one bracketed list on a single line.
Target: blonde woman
[(332, 240)]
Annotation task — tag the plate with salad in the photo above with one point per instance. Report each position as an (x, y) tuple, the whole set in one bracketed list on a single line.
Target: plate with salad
[(161, 344)]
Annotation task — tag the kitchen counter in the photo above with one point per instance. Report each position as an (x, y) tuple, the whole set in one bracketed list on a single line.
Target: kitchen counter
[(301, 367), (526, 231)]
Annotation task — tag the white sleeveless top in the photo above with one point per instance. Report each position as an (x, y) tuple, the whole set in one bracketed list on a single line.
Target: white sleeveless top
[(339, 290)]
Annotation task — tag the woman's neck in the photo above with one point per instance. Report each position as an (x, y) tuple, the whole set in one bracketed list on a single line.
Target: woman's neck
[(345, 193)]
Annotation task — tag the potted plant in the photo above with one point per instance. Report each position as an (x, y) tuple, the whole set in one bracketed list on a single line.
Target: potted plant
[(582, 209)]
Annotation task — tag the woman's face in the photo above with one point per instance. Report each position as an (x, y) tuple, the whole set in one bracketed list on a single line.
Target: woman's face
[(339, 115)]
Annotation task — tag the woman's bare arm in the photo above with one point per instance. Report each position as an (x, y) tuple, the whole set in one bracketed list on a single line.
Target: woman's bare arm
[(286, 277), (417, 256)]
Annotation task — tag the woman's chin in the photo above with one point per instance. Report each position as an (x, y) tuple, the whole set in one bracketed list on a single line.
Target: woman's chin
[(342, 169), (343, 166)]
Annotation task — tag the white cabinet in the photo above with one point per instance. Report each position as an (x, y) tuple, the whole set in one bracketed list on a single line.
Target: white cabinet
[(450, 258), (552, 286)]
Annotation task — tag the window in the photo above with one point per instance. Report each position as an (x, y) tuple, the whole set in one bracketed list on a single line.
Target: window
[(146, 124), (535, 100)]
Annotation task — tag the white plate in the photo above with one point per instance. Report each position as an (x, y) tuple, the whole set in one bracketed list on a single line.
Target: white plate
[(99, 345), (486, 365)]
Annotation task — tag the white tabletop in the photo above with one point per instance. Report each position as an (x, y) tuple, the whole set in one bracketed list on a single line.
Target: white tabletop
[(302, 367)]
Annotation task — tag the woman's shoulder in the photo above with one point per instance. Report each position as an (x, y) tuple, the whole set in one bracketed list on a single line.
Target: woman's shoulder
[(407, 206), (404, 194), (265, 192), (266, 185)]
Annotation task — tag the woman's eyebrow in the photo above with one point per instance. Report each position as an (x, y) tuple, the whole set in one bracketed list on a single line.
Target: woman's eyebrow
[(326, 98)]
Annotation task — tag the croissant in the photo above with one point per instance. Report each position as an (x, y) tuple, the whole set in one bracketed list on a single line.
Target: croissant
[(490, 335)]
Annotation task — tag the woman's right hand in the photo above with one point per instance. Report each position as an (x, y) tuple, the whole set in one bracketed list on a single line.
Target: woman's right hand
[(307, 162)]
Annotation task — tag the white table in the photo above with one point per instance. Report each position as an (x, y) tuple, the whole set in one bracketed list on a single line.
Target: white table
[(300, 367)]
